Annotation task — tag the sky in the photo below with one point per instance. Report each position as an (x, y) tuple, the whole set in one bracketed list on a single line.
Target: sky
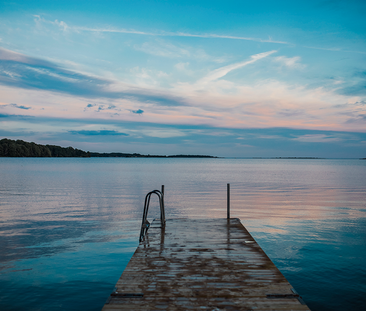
[(224, 78)]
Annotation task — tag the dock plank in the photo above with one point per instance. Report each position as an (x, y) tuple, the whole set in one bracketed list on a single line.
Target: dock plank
[(201, 264)]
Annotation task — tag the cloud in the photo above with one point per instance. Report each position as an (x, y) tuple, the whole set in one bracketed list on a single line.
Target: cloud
[(20, 106), (147, 78), (333, 49), (18, 70), (216, 36), (139, 111), (27, 72), (8, 55), (5, 115), (98, 133), (291, 112), (358, 87), (361, 118), (290, 62), (223, 71), (268, 136), (183, 67), (162, 133), (107, 107), (169, 50), (60, 24), (89, 106), (163, 49), (16, 106), (155, 138), (317, 138), (212, 100), (360, 103), (63, 26)]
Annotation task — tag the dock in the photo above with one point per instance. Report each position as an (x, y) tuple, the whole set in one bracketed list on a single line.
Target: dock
[(201, 264)]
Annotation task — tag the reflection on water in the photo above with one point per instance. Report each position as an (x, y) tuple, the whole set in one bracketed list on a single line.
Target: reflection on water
[(69, 226)]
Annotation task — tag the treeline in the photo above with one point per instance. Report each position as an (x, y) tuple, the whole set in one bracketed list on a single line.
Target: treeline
[(123, 155), (190, 156), (138, 155), (20, 148)]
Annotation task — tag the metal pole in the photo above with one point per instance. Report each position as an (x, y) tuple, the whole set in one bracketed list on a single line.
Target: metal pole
[(228, 201), (163, 211)]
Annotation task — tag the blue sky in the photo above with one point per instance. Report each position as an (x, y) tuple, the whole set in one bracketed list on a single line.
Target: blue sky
[(227, 78)]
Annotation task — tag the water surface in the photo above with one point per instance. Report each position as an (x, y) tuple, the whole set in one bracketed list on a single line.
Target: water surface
[(68, 227)]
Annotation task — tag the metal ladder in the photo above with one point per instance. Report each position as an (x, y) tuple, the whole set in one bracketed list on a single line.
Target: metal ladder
[(145, 223)]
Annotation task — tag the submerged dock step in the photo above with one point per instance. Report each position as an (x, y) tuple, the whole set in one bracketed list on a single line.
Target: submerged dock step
[(202, 264)]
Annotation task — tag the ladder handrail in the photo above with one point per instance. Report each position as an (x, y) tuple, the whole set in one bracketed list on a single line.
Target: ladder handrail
[(145, 223)]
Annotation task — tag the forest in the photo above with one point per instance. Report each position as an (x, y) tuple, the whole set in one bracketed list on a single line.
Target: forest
[(20, 148)]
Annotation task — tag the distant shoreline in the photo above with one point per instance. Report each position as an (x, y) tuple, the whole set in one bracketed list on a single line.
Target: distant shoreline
[(138, 155), (23, 149)]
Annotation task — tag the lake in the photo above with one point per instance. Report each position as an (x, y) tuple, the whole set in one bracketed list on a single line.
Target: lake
[(68, 226)]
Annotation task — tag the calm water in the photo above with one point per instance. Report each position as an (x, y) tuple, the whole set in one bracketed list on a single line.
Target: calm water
[(68, 227)]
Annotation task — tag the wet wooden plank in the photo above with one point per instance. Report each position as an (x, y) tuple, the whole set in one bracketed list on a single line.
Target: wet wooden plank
[(201, 264)]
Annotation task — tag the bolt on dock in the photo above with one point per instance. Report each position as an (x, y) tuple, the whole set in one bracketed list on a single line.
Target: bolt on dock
[(201, 264)]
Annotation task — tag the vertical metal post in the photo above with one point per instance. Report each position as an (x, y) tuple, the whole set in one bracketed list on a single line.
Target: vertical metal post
[(163, 210), (228, 201)]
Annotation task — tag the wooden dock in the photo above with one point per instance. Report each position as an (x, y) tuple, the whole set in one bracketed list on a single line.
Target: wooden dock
[(202, 264)]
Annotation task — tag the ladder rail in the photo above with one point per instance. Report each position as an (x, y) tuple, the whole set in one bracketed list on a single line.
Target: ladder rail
[(145, 225)]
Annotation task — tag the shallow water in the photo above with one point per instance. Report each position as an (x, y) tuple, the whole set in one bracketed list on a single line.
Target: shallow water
[(68, 227)]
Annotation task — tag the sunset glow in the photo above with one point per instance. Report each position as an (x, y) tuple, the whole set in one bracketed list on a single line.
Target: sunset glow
[(228, 79)]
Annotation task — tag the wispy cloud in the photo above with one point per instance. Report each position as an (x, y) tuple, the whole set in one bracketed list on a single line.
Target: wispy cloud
[(289, 62), (317, 138), (363, 103), (162, 133), (183, 67), (98, 133), (147, 78), (357, 85), (211, 100), (162, 48), (359, 119), (223, 71), (8, 55), (182, 34), (16, 106), (335, 49), (79, 29), (28, 72), (65, 27), (18, 70), (292, 113)]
